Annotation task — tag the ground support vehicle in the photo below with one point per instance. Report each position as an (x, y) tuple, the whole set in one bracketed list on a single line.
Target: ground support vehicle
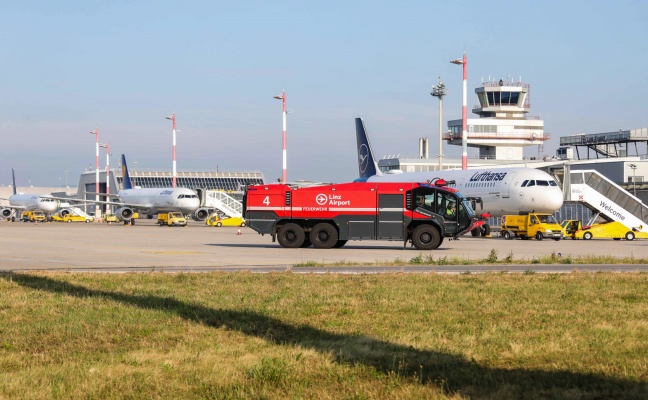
[(613, 229), (216, 220), (172, 219), (327, 216), (110, 218), (76, 218), (33, 216), (533, 225)]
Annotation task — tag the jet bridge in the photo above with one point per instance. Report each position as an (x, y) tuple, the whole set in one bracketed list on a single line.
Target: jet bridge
[(605, 198)]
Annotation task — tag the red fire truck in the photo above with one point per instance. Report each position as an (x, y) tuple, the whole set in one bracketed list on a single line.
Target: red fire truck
[(327, 216)]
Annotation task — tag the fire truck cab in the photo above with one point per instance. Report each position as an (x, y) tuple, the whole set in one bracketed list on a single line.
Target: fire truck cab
[(327, 216)]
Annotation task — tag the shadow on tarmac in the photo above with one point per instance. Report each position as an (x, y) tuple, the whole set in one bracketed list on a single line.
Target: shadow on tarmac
[(453, 372)]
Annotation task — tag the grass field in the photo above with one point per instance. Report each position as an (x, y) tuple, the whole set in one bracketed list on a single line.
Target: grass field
[(242, 335)]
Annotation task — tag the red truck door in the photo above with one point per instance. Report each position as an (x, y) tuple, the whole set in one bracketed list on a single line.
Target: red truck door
[(390, 216)]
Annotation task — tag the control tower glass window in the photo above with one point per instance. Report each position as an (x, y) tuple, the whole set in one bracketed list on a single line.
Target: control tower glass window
[(503, 98)]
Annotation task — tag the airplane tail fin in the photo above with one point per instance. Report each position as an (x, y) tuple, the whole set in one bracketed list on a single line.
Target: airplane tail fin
[(367, 166), (126, 181), (13, 177)]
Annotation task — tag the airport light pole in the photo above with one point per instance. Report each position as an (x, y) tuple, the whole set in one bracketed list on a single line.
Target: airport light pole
[(97, 209), (464, 112), (107, 147), (634, 178), (282, 97), (440, 91), (173, 119)]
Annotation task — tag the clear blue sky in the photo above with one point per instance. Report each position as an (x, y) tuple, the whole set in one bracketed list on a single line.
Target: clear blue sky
[(68, 67)]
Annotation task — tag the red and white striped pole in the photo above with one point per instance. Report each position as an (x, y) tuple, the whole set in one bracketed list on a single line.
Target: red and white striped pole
[(284, 174), (173, 119), (464, 113), (97, 208), (107, 147)]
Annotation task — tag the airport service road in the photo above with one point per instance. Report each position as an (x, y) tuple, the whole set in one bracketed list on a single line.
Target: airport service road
[(146, 246)]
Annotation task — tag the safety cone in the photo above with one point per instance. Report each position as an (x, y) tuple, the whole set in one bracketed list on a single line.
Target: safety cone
[(239, 231)]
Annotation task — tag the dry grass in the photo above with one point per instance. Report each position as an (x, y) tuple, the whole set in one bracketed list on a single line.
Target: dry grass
[(323, 336)]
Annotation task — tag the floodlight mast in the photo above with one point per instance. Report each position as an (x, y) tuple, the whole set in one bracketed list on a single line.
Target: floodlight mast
[(173, 119), (440, 91), (97, 208), (282, 97), (464, 112)]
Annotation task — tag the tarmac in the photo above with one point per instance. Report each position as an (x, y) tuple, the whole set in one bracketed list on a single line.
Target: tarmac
[(146, 246)]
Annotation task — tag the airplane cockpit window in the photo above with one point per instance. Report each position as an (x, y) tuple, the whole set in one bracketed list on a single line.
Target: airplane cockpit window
[(553, 183), (531, 183), (524, 183), (542, 183)]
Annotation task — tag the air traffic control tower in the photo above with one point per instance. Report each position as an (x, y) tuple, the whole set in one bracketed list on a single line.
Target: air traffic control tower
[(502, 130)]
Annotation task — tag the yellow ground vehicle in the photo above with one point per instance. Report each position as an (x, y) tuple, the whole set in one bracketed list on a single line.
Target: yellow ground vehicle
[(614, 230), (76, 218), (538, 226), (110, 218), (33, 216), (172, 219), (214, 220)]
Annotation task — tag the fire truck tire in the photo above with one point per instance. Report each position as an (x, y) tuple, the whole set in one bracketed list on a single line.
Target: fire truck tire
[(323, 236), (475, 232), (426, 237), (291, 236), (339, 243)]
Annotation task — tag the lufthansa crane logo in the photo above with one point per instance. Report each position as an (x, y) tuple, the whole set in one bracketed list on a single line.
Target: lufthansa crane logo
[(363, 154), (321, 199)]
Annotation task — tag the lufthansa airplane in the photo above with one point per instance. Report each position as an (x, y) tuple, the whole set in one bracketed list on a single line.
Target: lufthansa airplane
[(150, 200), (502, 191), (27, 202)]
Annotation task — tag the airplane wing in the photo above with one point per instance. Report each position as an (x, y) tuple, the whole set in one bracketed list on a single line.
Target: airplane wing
[(13, 207), (112, 203)]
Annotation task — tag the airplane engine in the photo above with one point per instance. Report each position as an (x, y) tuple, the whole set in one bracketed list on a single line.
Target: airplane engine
[(201, 214), (6, 212), (124, 214)]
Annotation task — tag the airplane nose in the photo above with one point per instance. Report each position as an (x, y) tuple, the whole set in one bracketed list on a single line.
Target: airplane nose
[(555, 199)]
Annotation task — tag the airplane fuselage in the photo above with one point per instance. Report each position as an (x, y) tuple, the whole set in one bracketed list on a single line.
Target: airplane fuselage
[(502, 190), (33, 202), (154, 200)]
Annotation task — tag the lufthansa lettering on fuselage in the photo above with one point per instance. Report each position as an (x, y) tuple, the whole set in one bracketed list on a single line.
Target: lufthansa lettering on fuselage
[(166, 192), (487, 176)]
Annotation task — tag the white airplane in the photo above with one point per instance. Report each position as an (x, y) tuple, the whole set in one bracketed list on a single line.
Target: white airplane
[(502, 191), (27, 202), (150, 200)]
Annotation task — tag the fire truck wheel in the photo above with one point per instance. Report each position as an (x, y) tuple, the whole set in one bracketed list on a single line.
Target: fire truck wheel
[(339, 243), (323, 236), (475, 232), (291, 236), (426, 237)]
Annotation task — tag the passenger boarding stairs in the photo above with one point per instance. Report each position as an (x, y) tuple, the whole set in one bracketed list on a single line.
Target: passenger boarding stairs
[(223, 202), (74, 211), (606, 198)]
